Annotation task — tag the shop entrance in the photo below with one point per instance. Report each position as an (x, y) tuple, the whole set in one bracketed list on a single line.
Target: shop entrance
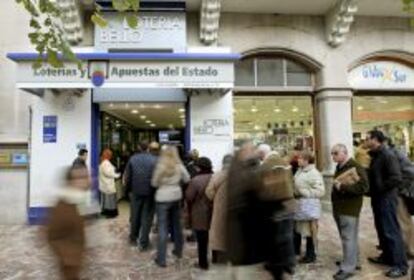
[(124, 125)]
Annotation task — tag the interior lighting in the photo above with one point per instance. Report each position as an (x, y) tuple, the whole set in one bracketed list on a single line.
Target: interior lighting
[(134, 112), (360, 108), (147, 121), (181, 110), (143, 117)]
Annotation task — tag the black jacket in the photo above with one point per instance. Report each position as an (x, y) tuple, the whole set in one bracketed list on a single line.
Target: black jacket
[(139, 172), (384, 172)]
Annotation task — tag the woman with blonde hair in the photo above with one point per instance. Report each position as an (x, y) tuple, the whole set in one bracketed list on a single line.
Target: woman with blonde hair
[(308, 188), (168, 175), (107, 176)]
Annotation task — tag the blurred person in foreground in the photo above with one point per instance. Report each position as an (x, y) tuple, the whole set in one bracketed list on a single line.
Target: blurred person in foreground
[(276, 196), (309, 188), (246, 222), (107, 176), (384, 179), (200, 208), (350, 185), (168, 174), (65, 227), (216, 191)]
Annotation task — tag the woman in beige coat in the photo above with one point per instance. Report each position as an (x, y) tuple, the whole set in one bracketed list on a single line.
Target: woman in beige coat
[(216, 192)]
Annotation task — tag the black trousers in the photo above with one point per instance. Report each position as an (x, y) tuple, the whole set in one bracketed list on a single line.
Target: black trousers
[(202, 247), (310, 246), (388, 229)]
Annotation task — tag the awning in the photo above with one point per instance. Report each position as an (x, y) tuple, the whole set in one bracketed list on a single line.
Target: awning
[(129, 70)]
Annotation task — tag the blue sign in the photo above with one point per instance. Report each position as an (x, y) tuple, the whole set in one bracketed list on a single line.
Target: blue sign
[(49, 129), (19, 158)]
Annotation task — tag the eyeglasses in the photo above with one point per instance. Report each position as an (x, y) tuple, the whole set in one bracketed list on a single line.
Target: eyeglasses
[(334, 153)]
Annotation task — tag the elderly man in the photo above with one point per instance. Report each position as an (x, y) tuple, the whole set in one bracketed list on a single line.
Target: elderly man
[(350, 184)]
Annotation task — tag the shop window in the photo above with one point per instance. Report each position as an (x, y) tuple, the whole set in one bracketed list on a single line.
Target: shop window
[(297, 75), (245, 73), (394, 115), (271, 72)]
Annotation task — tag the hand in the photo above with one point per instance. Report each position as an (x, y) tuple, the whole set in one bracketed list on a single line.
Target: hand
[(337, 185)]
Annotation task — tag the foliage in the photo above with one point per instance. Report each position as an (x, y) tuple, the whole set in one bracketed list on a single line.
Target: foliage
[(47, 34), (408, 6)]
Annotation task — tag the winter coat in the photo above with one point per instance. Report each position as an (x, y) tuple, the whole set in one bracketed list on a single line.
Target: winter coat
[(107, 176), (407, 172), (216, 191), (362, 157), (348, 199), (138, 173), (245, 217), (309, 188), (199, 206), (66, 236), (384, 172), (168, 187)]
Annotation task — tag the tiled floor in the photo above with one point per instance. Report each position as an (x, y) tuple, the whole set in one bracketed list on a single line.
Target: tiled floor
[(24, 255)]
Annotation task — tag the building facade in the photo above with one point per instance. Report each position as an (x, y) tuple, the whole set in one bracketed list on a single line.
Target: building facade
[(305, 77)]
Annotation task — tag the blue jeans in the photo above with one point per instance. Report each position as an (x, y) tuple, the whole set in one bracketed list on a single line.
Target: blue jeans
[(142, 214), (388, 228), (169, 212)]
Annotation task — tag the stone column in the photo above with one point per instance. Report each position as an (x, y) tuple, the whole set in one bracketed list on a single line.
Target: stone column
[(333, 125)]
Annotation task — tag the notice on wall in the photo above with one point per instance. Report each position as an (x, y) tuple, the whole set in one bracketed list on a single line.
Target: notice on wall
[(49, 129)]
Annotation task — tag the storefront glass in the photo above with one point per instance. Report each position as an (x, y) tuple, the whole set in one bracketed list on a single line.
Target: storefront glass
[(394, 115), (284, 122)]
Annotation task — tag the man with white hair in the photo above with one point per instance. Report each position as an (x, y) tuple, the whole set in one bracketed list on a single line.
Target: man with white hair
[(263, 151), (350, 184)]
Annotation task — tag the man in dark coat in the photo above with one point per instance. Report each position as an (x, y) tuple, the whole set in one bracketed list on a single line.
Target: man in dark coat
[(80, 161), (138, 174), (347, 198), (384, 178)]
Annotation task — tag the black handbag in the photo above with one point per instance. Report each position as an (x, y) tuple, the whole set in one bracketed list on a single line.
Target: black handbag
[(407, 193)]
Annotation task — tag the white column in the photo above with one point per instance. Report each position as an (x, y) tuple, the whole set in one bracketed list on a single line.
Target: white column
[(211, 121), (334, 116)]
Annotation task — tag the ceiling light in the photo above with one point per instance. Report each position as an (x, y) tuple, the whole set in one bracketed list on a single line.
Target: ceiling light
[(134, 112), (111, 105), (383, 101), (253, 109), (157, 106), (126, 105), (276, 110), (152, 125), (143, 117), (147, 121), (256, 127), (295, 109), (182, 117), (360, 108), (181, 110)]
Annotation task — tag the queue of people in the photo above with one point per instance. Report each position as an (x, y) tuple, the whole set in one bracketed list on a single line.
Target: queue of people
[(257, 191)]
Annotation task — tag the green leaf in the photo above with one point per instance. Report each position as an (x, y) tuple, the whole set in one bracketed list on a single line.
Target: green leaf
[(35, 24), (37, 64), (132, 20), (52, 58), (412, 22), (99, 20), (47, 22), (120, 5), (134, 4)]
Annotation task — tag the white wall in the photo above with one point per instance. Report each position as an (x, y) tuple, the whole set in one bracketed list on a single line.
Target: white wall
[(13, 196), (48, 159), (204, 107)]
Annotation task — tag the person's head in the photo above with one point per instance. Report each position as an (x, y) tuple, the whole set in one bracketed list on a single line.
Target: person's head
[(204, 165), (263, 151), (154, 148), (226, 162), (193, 154), (306, 158), (339, 153), (83, 154), (143, 146), (77, 178), (169, 160), (106, 154), (247, 151), (375, 139)]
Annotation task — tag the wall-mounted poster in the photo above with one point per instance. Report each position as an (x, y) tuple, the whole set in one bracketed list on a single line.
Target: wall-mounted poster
[(49, 129)]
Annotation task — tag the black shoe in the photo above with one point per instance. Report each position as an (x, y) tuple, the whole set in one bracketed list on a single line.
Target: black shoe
[(178, 256), (342, 275), (159, 264), (132, 242), (396, 273), (378, 260), (196, 265), (308, 259), (358, 267)]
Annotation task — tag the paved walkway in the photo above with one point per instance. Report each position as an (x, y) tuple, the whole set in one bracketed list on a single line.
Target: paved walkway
[(25, 255)]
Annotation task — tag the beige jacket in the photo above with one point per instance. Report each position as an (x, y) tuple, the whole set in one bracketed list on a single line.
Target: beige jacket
[(216, 191), (107, 176)]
